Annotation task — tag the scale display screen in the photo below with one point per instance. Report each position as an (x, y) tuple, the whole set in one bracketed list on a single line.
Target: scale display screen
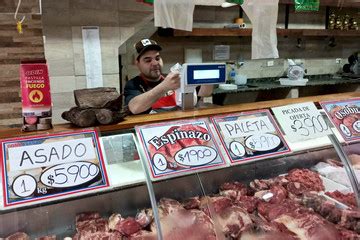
[(206, 74)]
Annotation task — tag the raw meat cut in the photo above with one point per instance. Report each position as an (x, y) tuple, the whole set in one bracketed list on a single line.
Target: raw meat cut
[(91, 226), (249, 203), (347, 218), (233, 190), (346, 198), (309, 179), (192, 203), (231, 219), (304, 223), (98, 236), (308, 226), (18, 236), (50, 237), (128, 226), (263, 230), (145, 217), (125, 226), (178, 223)]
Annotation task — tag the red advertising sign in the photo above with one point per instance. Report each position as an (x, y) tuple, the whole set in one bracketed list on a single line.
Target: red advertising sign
[(180, 147), (36, 98)]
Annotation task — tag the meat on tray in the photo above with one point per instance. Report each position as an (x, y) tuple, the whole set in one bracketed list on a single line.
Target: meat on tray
[(266, 209), (307, 178), (24, 236), (346, 198), (180, 223), (345, 218), (18, 236)]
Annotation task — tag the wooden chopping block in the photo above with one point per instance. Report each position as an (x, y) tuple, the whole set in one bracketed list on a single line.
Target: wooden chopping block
[(106, 116), (80, 117), (102, 97)]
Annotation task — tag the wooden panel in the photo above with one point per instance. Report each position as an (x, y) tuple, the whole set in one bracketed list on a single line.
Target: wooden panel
[(212, 32), (330, 3), (330, 32), (15, 47), (224, 32), (134, 120)]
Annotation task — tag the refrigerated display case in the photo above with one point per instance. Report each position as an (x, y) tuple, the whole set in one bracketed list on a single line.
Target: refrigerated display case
[(306, 194)]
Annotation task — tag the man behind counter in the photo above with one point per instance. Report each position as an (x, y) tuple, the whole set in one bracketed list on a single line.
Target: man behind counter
[(151, 90)]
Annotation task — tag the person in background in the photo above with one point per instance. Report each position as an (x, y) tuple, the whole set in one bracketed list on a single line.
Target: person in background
[(151, 91)]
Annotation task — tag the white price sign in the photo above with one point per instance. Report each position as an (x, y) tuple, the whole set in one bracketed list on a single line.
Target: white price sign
[(48, 154), (301, 121), (249, 135), (47, 166), (179, 147)]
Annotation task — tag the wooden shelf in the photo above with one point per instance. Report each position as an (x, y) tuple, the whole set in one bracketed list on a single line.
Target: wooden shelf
[(330, 3), (213, 32), (225, 32)]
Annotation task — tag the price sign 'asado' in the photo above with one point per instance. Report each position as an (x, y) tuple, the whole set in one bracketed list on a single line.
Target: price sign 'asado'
[(249, 135), (181, 147), (42, 167), (301, 121)]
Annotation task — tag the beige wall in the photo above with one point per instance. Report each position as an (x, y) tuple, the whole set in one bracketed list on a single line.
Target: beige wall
[(124, 22), (62, 26)]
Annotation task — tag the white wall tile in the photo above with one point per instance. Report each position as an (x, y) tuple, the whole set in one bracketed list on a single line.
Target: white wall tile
[(62, 84)]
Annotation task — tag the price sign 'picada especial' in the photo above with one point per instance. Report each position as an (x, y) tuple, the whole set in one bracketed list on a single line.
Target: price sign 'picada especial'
[(249, 135), (179, 147), (42, 167), (301, 121)]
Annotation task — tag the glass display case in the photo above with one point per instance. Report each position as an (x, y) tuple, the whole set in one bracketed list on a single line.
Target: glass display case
[(305, 194)]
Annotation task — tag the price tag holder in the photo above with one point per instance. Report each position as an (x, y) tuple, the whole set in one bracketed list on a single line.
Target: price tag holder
[(249, 136), (345, 115), (179, 147), (49, 166), (301, 121)]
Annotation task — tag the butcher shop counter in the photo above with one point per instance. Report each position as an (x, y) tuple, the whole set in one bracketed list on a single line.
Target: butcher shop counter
[(261, 199), (263, 89)]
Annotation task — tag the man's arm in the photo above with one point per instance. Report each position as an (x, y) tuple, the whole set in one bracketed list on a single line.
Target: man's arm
[(205, 90), (144, 101)]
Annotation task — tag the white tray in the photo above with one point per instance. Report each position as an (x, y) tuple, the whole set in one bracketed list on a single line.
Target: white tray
[(288, 82), (228, 86)]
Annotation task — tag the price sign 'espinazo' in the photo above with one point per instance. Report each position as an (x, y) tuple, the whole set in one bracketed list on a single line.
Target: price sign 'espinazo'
[(174, 148), (345, 115), (42, 167), (249, 135), (301, 121)]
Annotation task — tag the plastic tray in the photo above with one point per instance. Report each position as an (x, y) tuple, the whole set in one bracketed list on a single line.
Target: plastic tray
[(288, 82)]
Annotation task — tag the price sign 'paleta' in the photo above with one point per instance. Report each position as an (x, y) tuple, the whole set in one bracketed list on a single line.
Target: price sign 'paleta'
[(249, 135), (42, 167), (301, 121), (179, 147)]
